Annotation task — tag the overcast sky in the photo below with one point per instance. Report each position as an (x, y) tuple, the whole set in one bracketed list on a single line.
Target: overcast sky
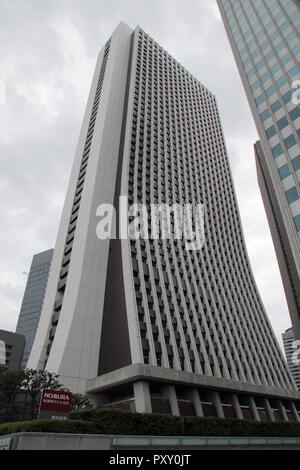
[(48, 51)]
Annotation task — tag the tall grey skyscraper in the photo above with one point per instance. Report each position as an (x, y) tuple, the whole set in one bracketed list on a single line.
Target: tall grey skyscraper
[(288, 339), (33, 300), (146, 323), (264, 36)]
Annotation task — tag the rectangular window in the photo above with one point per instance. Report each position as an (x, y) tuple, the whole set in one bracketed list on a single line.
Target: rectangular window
[(292, 72), (282, 123), (260, 35), (295, 113), (290, 141), (295, 16), (260, 64), (291, 36), (297, 222), (275, 68), (287, 96), (270, 56), (264, 115), (240, 43), (275, 106), (265, 77), (269, 25), (259, 100), (250, 73), (270, 132), (281, 81), (296, 163), (286, 58), (270, 90), (251, 43), (284, 171), (254, 86), (284, 26), (277, 150), (292, 195), (255, 53), (279, 47), (243, 52), (296, 49)]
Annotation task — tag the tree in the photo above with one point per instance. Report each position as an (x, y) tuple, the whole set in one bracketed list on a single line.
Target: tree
[(33, 384), (10, 389), (80, 401), (20, 393)]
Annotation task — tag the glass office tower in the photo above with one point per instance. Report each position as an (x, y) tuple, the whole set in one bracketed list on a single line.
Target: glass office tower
[(264, 36), (145, 323), (33, 300)]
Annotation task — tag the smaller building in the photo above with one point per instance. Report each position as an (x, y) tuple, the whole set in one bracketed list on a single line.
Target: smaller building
[(13, 345), (290, 349)]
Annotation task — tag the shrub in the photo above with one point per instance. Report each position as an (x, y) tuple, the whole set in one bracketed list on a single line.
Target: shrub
[(56, 426), (113, 421), (195, 426)]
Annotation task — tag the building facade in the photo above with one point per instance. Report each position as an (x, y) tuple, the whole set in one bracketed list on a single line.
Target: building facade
[(264, 36), (145, 323), (33, 299), (291, 348), (11, 350)]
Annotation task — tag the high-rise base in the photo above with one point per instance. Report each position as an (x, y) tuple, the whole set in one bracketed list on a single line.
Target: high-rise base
[(150, 389)]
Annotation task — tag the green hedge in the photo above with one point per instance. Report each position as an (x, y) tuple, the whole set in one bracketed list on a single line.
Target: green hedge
[(194, 426), (47, 425), (113, 421)]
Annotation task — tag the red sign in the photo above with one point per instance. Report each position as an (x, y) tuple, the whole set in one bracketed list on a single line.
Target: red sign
[(56, 400)]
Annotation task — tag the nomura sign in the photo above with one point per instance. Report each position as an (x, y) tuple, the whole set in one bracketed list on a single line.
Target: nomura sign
[(55, 404)]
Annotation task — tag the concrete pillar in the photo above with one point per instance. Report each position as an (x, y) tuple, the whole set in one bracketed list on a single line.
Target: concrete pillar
[(282, 410), (142, 397), (236, 405), (193, 395), (295, 412), (215, 398), (253, 408), (268, 409), (169, 392)]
